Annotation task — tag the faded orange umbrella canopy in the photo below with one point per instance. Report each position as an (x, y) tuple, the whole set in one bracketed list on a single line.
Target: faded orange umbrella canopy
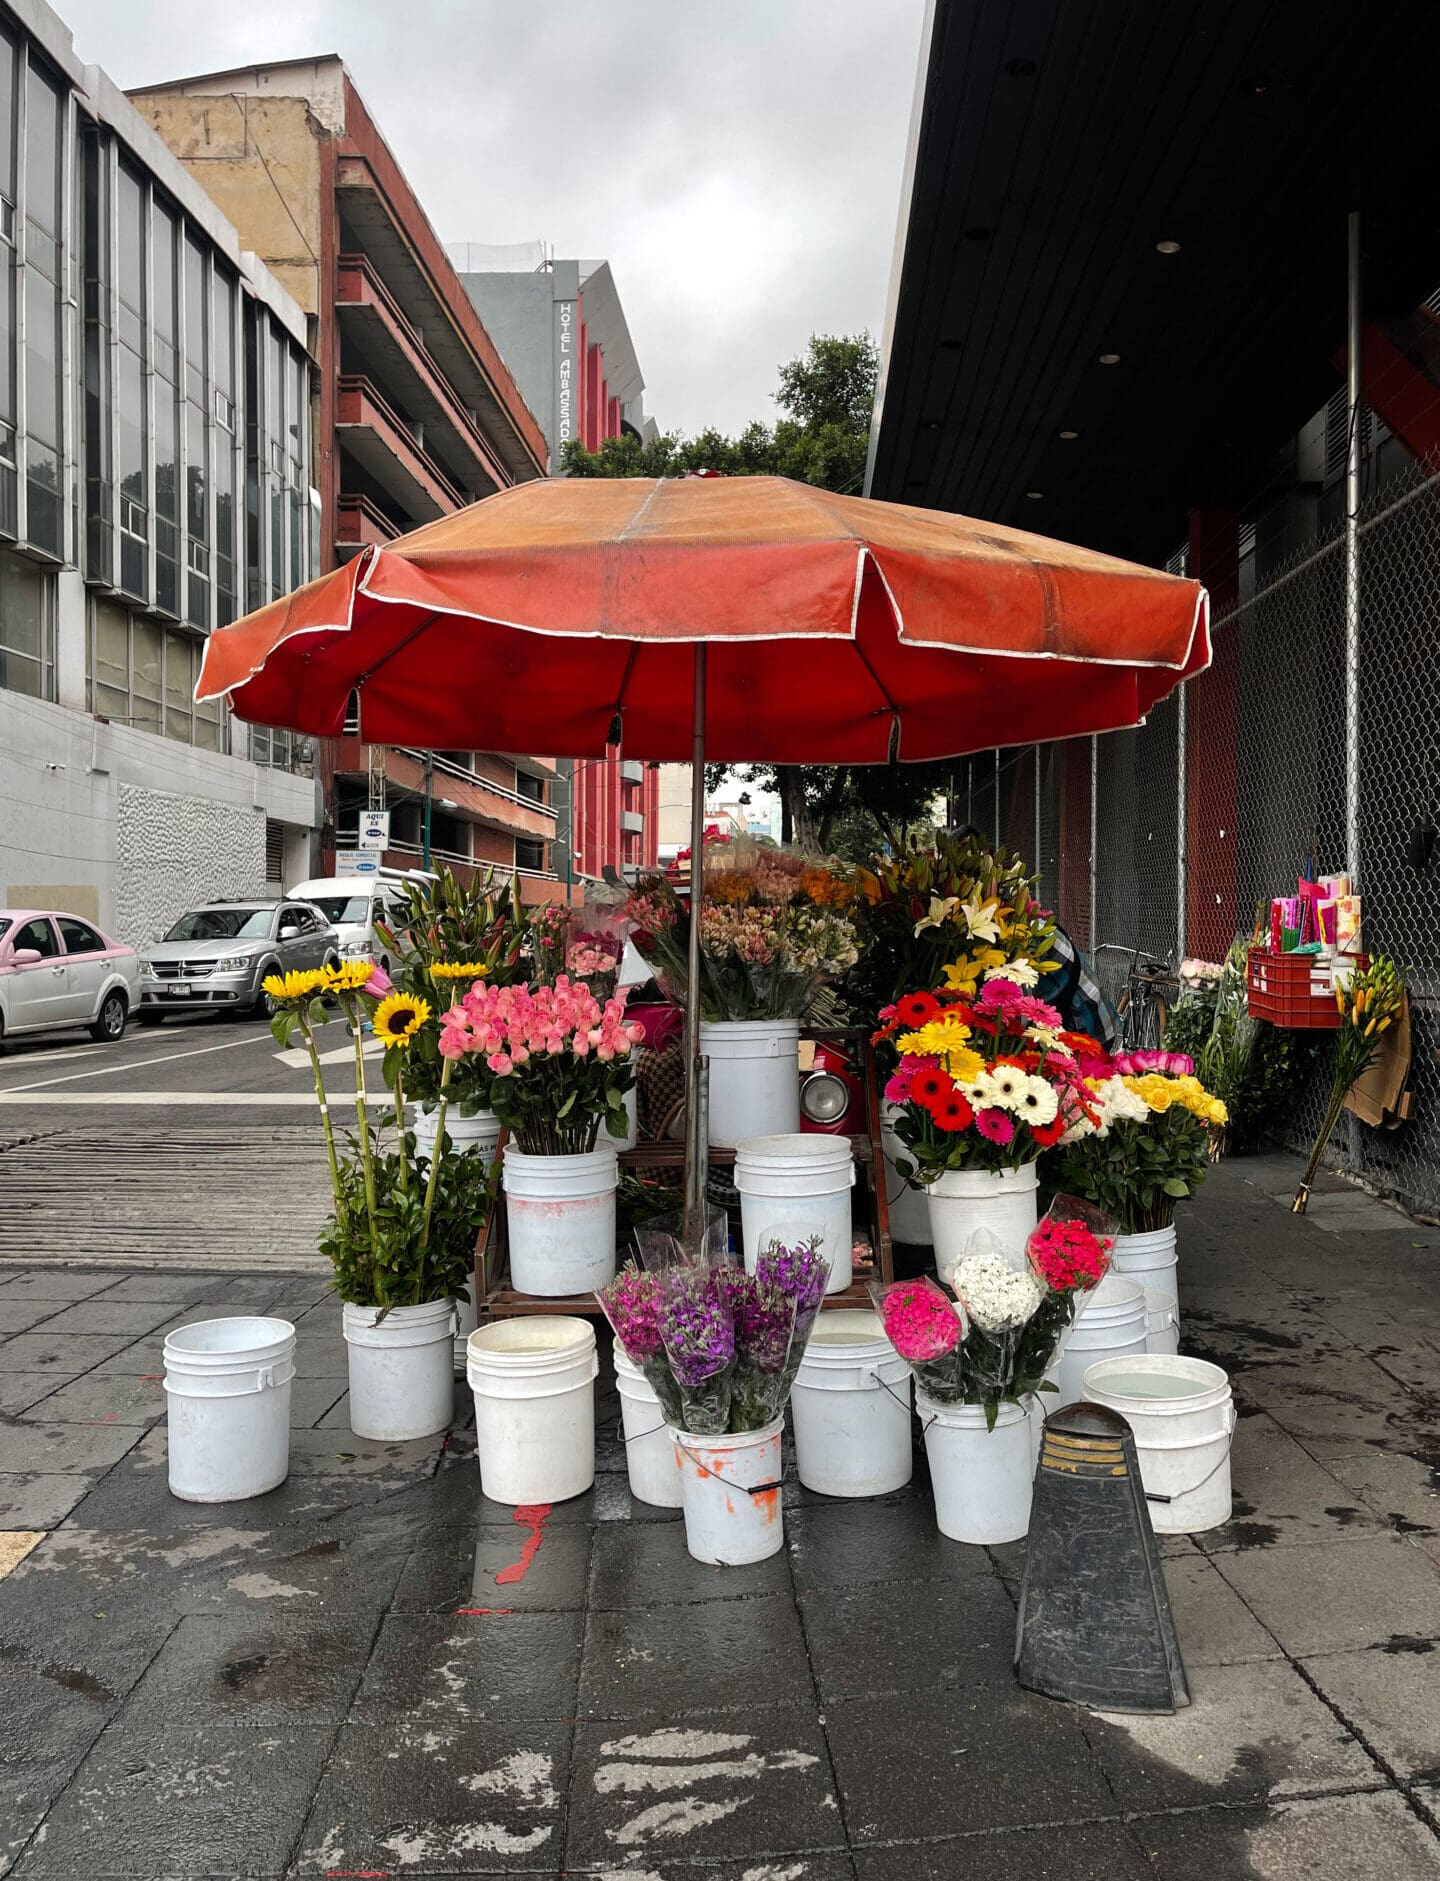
[(837, 630), (734, 619)]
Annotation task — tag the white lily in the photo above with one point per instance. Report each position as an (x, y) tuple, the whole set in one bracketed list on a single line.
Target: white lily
[(980, 922), (940, 912)]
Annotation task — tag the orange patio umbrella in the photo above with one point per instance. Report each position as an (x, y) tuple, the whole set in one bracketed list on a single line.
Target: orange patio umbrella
[(737, 619)]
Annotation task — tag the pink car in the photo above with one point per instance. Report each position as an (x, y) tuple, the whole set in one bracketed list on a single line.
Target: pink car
[(57, 970)]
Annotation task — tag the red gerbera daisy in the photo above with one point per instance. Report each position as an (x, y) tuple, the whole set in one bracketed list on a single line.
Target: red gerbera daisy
[(917, 1009), (953, 1112), (929, 1087), (1047, 1135)]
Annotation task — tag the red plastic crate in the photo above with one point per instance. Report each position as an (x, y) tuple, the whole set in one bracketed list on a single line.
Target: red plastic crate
[(1278, 988)]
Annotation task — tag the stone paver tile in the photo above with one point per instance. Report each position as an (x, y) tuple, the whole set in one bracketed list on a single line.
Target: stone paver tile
[(1250, 1732), (40, 1500), (337, 1417), (611, 1501), (1326, 1599), (1391, 1694), (674, 1660), (19, 1390), (1362, 1838), (53, 1711), (151, 1805), (101, 1317), (455, 1568), (1344, 1402), (341, 1453), (437, 1799), (27, 1790), (15, 1544), (642, 1564), (60, 1283), (1283, 1497), (68, 1354), (102, 1400), (914, 1637), (181, 1292), (312, 1398), (864, 1543), (961, 1761), (1212, 1622), (264, 1667), (63, 1448), (1404, 1491), (1097, 1852), (714, 1787), (435, 1669), (20, 1315), (354, 1571)]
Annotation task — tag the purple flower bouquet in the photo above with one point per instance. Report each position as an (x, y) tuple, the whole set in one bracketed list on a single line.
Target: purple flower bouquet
[(634, 1305), (801, 1273), (764, 1322), (698, 1335)]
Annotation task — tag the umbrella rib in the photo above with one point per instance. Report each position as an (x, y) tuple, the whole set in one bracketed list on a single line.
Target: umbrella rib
[(399, 647)]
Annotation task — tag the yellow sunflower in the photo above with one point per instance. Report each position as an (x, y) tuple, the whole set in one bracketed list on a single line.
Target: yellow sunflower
[(458, 970), (349, 976), (398, 1018), (290, 989)]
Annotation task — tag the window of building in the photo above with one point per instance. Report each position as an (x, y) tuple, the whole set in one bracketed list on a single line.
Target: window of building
[(44, 121), (531, 787), (27, 627), (143, 673), (529, 854), (99, 489)]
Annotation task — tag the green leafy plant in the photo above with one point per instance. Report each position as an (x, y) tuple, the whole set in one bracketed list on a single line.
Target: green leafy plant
[(1137, 1171), (416, 1254)]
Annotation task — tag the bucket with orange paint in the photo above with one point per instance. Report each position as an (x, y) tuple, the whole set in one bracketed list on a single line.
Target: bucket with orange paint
[(730, 1492)]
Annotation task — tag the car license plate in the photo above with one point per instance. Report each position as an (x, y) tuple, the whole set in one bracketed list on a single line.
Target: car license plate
[(179, 992)]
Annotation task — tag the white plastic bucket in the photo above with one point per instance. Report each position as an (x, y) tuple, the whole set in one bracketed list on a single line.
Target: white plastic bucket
[(534, 1386), (227, 1391), (649, 1452), (1038, 1408), (1150, 1259), (483, 1129), (962, 1200), (561, 1213), (632, 1120), (796, 1188), (466, 1320), (754, 1078), (1183, 1418), (981, 1478), (851, 1408), (402, 1372), (909, 1208), (1109, 1323), (725, 1524)]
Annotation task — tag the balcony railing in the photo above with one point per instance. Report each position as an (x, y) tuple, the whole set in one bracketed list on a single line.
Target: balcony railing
[(446, 767)]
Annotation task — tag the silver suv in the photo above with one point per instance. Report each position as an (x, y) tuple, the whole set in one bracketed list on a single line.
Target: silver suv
[(218, 955)]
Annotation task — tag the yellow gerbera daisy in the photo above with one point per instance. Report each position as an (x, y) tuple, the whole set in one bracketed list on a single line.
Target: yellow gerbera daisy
[(398, 1018), (349, 976), (291, 988), (458, 970)]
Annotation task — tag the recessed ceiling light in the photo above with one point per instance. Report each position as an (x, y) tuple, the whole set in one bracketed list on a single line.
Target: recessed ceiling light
[(1109, 359), (1034, 495), (1167, 248), (1069, 435)]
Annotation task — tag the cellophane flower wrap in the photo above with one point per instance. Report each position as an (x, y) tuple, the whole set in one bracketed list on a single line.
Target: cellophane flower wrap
[(1069, 1252), (1135, 1136), (1000, 1301), (698, 1336), (982, 1083), (560, 1060), (586, 943), (764, 1320), (774, 928), (802, 1274), (928, 1330), (634, 1305)]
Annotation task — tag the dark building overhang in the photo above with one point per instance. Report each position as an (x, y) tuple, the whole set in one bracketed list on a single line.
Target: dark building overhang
[(1056, 145)]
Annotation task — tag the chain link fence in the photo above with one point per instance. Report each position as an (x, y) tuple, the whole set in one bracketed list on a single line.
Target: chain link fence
[(1169, 837)]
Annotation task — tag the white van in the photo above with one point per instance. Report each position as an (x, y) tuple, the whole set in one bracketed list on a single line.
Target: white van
[(352, 904)]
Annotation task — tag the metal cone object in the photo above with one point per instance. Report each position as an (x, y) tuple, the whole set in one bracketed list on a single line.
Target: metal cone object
[(1095, 1624)]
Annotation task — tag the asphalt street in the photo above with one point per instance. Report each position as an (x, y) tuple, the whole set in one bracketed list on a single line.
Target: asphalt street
[(195, 1139)]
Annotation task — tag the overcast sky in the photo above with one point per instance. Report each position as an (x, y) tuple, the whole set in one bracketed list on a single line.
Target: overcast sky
[(737, 163)]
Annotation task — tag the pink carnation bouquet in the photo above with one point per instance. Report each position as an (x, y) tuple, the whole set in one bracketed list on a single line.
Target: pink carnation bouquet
[(928, 1330)]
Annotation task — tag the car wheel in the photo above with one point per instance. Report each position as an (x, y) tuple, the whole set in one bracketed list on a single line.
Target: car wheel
[(110, 1021), (151, 1018), (263, 1006)]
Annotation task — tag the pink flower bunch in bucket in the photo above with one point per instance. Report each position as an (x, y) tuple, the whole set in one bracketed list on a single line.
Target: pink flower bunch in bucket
[(928, 1330), (560, 1059)]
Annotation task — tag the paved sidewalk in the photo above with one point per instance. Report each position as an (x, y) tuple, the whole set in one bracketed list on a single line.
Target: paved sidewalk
[(373, 1672)]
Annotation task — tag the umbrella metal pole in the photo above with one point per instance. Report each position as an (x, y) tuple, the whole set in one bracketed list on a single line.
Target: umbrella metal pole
[(697, 1135)]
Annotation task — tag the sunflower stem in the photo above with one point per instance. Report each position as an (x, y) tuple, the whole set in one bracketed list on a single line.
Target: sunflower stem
[(352, 1012), (400, 1126), (324, 1103), (435, 1155)]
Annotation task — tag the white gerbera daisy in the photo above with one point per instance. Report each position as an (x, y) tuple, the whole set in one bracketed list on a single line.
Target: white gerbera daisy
[(1038, 1102), (1020, 971), (1007, 1082)]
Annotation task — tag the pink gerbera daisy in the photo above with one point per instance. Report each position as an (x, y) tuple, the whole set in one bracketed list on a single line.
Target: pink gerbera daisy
[(995, 1126)]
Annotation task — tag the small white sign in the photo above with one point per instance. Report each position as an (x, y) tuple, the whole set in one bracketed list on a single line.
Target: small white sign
[(357, 862), (374, 829)]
